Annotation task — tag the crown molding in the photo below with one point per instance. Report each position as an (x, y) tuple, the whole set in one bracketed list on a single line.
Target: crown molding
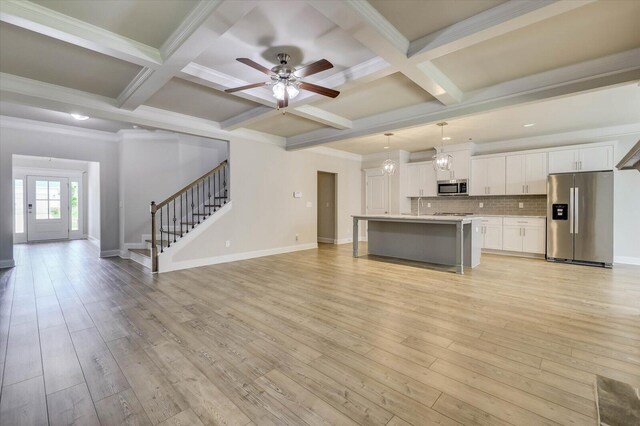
[(16, 123)]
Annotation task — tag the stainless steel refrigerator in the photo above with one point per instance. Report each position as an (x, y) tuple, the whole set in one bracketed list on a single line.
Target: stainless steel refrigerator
[(580, 218)]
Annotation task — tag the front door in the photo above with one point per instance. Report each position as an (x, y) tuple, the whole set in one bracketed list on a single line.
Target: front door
[(47, 208)]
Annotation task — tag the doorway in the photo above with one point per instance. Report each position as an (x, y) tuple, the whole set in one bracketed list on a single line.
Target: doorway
[(327, 208)]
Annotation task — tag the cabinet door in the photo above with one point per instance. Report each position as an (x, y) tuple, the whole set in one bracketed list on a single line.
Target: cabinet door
[(536, 173), (512, 238), (495, 175), (515, 174), (478, 176), (492, 237), (533, 239), (563, 161), (596, 158), (460, 164), (428, 179), (413, 180)]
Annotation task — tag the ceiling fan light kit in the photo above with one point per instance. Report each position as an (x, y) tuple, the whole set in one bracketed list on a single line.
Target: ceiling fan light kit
[(442, 161), (286, 80)]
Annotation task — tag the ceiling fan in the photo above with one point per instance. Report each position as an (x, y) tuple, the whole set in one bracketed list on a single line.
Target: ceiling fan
[(286, 80)]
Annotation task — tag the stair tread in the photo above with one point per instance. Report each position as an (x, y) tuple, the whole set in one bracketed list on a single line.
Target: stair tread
[(158, 242), (142, 252)]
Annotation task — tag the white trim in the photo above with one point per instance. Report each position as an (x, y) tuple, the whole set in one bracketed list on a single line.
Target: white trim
[(62, 129), (626, 260), (109, 253), (327, 240), (514, 253), (8, 263), (324, 150), (235, 257), (345, 240)]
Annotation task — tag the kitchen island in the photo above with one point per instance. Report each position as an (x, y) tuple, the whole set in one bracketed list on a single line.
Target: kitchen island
[(445, 240)]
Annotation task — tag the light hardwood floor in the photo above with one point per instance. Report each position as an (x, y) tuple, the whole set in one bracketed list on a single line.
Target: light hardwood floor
[(312, 337)]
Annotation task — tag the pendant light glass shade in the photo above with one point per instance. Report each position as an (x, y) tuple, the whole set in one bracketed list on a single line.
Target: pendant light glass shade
[(281, 86), (389, 166), (442, 161)]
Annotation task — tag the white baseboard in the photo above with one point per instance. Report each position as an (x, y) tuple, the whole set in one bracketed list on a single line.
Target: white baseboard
[(326, 240), (174, 266), (7, 263), (514, 253), (109, 253), (344, 241), (627, 260)]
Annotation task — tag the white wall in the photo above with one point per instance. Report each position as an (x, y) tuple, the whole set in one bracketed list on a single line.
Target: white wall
[(26, 137), (93, 200), (265, 217), (155, 165), (626, 209)]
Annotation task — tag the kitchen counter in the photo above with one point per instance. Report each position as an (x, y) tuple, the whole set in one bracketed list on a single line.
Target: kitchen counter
[(447, 240)]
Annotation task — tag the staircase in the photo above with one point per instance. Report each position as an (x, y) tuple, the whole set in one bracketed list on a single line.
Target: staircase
[(173, 218)]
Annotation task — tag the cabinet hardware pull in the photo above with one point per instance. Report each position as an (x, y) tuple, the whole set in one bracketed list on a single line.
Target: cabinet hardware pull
[(523, 189), (524, 232)]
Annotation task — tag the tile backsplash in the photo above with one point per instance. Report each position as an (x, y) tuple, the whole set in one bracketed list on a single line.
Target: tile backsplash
[(507, 205)]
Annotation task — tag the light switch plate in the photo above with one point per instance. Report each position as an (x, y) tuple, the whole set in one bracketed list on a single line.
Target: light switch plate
[(297, 194), (309, 204), (481, 205)]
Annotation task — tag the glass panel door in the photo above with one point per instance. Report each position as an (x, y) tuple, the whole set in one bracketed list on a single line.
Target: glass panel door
[(47, 208)]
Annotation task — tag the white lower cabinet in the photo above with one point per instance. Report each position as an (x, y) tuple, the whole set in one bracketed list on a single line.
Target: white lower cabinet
[(525, 235), (491, 231)]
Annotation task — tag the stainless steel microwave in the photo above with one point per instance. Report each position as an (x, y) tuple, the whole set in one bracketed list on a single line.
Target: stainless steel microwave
[(452, 187)]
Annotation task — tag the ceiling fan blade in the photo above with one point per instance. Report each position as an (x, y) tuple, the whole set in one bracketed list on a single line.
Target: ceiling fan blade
[(255, 65), (314, 68), (248, 86), (324, 91)]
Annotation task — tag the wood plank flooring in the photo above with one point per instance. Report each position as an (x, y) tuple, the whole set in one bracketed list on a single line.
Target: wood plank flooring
[(313, 337)]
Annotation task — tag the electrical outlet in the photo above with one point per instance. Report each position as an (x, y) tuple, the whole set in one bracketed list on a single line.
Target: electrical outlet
[(481, 205), (309, 204), (521, 205), (227, 243), (429, 205)]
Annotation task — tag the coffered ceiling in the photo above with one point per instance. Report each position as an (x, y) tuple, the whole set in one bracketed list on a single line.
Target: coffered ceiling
[(400, 65)]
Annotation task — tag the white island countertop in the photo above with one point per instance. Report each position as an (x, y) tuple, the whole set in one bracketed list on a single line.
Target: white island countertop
[(416, 218)]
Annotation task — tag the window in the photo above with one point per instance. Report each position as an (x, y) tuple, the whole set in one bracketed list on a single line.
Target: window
[(74, 206), (18, 206), (47, 199)]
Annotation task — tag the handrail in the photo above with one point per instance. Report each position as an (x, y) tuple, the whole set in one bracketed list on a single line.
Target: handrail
[(195, 204), (187, 187)]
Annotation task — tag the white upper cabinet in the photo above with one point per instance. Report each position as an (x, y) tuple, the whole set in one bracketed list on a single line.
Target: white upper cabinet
[(488, 176), (526, 174), (459, 166), (421, 180), (587, 159)]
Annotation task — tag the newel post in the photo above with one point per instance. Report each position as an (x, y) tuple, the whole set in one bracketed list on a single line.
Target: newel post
[(154, 246)]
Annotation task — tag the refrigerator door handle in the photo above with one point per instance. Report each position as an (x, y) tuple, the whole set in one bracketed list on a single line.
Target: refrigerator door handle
[(577, 209), (571, 210)]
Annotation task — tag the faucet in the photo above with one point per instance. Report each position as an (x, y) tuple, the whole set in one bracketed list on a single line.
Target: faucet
[(419, 202)]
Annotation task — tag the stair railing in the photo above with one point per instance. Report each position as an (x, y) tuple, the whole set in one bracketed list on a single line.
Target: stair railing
[(187, 208)]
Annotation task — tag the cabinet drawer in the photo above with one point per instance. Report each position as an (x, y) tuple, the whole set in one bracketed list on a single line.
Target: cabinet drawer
[(491, 221), (524, 221)]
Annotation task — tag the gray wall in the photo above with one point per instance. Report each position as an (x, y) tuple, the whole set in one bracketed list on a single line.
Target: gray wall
[(326, 205), (29, 139)]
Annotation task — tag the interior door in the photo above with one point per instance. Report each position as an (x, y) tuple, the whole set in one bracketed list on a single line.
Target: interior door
[(594, 217), (377, 192), (47, 208)]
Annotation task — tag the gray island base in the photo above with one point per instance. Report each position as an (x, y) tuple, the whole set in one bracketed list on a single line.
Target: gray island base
[(446, 240)]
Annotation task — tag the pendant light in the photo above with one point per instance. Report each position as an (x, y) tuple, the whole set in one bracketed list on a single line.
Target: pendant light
[(442, 161), (389, 166)]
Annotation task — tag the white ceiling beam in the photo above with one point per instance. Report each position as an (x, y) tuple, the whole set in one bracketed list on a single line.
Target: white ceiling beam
[(195, 34), (39, 19), (49, 96), (322, 116), (499, 20), (372, 30), (612, 70), (249, 117)]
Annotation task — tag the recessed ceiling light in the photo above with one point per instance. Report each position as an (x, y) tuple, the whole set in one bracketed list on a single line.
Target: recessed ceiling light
[(134, 126), (386, 147), (446, 138), (80, 116), (529, 125)]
